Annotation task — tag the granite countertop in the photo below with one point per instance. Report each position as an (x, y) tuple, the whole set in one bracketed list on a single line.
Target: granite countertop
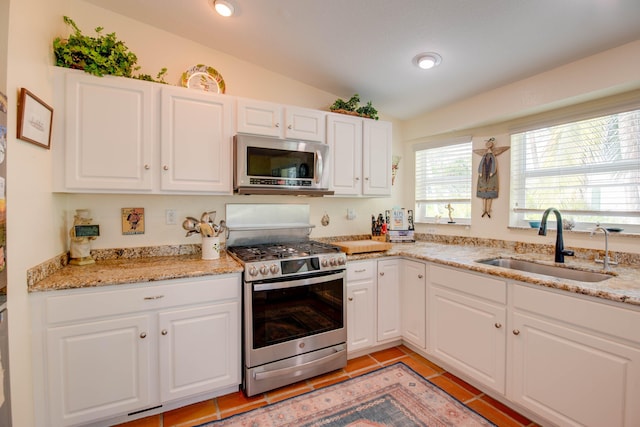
[(624, 286), (122, 271)]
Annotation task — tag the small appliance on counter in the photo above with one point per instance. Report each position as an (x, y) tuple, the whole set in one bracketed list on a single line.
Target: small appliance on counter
[(81, 234)]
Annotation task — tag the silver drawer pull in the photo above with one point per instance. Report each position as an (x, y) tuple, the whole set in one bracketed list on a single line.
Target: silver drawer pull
[(154, 297), (361, 271)]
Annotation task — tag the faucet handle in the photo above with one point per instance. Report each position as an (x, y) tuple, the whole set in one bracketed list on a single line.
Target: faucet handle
[(567, 252)]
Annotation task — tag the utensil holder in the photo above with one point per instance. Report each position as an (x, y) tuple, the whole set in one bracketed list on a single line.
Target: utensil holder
[(211, 247)]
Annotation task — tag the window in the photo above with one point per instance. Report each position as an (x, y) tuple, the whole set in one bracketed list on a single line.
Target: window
[(589, 170), (443, 177)]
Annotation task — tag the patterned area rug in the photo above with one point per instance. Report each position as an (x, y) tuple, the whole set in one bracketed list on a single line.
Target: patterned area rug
[(391, 396)]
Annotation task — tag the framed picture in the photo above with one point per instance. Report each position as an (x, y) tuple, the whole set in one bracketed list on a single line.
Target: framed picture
[(35, 119), (132, 220)]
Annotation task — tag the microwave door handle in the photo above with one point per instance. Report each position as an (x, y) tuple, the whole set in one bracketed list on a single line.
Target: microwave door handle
[(318, 173)]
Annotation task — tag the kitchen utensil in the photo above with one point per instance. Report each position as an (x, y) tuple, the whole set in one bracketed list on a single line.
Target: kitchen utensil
[(208, 217), (221, 227), (189, 223), (206, 230)]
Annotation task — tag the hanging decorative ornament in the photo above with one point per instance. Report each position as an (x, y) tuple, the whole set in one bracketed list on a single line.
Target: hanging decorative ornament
[(488, 174)]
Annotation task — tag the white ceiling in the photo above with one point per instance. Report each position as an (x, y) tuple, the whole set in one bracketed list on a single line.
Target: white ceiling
[(367, 46)]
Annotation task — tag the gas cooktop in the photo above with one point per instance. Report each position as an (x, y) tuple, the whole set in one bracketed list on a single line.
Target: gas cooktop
[(275, 251)]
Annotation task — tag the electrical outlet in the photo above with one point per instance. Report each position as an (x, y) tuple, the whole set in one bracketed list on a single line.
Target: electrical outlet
[(171, 216), (351, 214), (431, 230)]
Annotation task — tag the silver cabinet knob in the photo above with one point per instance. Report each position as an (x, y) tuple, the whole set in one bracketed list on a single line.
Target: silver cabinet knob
[(420, 276), (164, 332), (143, 334), (277, 125), (350, 298), (290, 127), (382, 273), (498, 325), (165, 167), (147, 167), (516, 332)]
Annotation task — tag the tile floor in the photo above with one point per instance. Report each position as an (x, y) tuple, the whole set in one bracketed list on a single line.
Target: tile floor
[(230, 404)]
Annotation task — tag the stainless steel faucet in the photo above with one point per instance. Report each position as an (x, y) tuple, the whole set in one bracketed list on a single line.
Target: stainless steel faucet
[(607, 263), (560, 251)]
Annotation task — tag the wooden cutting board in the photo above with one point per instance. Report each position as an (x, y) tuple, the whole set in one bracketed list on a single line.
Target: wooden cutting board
[(361, 246)]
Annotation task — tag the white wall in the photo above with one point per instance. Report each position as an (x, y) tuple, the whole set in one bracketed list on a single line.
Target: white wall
[(602, 79)]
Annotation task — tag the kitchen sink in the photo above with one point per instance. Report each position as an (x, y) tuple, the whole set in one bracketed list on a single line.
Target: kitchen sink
[(547, 270)]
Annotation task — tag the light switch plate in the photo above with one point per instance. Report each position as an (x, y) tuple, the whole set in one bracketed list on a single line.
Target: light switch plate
[(171, 216)]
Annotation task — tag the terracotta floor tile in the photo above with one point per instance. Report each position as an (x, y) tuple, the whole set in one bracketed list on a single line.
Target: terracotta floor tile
[(360, 363), (191, 415), (234, 411), (288, 391), (504, 408), (492, 413), (432, 365), (452, 388), (152, 421), (340, 374), (236, 400), (388, 355), (422, 368), (462, 384)]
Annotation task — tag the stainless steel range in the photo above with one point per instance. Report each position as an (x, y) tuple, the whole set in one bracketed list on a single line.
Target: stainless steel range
[(294, 310)]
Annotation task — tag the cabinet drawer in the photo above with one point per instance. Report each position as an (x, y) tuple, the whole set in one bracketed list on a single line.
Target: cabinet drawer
[(618, 322), (360, 270), (86, 304), (473, 284)]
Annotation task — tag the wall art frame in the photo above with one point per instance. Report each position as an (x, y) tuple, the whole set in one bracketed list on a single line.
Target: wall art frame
[(35, 119)]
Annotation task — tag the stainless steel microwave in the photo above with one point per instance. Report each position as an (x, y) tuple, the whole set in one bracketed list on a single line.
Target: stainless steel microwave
[(265, 165)]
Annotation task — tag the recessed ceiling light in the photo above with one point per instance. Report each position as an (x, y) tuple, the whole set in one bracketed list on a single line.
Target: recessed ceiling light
[(223, 7), (427, 60)]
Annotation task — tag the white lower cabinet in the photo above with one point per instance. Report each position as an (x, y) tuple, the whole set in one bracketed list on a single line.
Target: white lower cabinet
[(388, 294), (118, 350), (575, 362), (413, 302), (467, 323), (361, 305)]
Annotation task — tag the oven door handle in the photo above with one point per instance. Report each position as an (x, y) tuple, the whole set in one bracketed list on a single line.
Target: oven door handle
[(298, 282), (296, 371)]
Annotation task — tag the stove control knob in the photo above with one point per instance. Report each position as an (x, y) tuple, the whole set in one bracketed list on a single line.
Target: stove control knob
[(253, 271), (324, 262), (333, 262), (342, 261), (274, 268), (264, 270)]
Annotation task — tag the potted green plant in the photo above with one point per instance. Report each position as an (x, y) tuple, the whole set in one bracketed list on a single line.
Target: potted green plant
[(350, 107), (99, 55)]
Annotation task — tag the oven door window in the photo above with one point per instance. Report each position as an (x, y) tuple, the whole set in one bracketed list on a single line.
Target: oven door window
[(290, 313)]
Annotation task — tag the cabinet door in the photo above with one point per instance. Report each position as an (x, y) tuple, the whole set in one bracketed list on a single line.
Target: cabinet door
[(573, 378), (98, 369), (377, 152), (306, 124), (344, 135), (199, 349), (468, 333), (361, 311), (196, 141), (389, 321), (109, 139), (260, 118), (413, 290)]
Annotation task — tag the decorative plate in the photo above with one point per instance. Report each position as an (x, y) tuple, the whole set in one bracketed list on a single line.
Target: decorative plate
[(204, 78)]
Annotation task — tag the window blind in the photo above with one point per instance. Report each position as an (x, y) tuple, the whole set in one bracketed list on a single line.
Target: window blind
[(589, 170), (443, 176)]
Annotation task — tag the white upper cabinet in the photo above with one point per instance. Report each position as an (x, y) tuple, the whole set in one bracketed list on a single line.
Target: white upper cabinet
[(196, 139), (121, 135), (109, 139), (269, 119), (361, 155)]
